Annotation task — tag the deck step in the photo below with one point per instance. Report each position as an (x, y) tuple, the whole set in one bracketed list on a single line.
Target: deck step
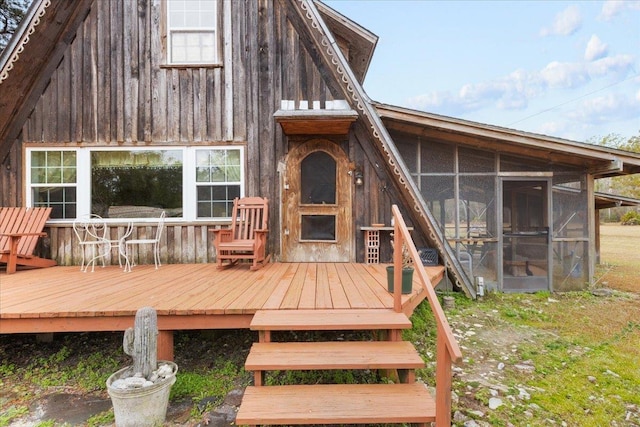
[(329, 320), (333, 355), (336, 404)]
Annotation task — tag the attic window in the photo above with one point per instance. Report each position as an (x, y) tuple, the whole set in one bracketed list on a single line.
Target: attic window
[(192, 31)]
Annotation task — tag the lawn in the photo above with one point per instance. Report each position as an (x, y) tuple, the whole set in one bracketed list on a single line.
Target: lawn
[(620, 250), (556, 359)]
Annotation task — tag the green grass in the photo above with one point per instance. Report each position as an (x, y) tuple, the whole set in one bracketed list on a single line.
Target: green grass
[(585, 351)]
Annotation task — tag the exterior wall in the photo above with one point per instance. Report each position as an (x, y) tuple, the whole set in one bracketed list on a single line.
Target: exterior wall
[(113, 88)]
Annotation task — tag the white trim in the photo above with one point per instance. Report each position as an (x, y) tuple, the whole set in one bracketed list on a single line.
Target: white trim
[(214, 29), (83, 178)]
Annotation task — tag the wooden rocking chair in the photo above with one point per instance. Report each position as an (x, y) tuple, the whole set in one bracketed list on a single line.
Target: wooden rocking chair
[(247, 237), (20, 229)]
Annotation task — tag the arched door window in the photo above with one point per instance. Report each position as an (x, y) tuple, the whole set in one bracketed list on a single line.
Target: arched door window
[(318, 179)]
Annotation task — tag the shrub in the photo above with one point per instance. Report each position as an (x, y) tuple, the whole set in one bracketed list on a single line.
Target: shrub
[(631, 218)]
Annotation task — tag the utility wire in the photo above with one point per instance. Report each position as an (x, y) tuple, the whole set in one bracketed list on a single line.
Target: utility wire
[(573, 100)]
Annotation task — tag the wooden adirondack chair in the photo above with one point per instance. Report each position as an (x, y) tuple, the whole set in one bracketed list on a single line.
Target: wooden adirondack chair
[(20, 229), (247, 237)]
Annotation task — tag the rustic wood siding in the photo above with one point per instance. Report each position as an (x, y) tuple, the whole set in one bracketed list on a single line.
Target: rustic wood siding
[(113, 88)]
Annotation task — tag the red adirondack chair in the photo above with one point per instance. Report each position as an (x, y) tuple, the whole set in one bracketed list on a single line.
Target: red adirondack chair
[(20, 229)]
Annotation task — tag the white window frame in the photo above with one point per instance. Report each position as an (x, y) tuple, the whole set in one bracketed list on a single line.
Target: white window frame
[(213, 29), (78, 184), (83, 179)]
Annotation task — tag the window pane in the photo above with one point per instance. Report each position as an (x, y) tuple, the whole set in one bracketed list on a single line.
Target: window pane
[(318, 227), (408, 150), (62, 200), (54, 175), (318, 179), (136, 183), (477, 210), (570, 201), (521, 164), (38, 175), (438, 191), (216, 201), (436, 157), (69, 159), (475, 160)]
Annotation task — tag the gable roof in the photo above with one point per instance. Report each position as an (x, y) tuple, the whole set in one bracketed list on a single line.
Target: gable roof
[(31, 57), (362, 42)]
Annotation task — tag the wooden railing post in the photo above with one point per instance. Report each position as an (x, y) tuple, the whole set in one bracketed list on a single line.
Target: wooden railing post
[(398, 241), (443, 381)]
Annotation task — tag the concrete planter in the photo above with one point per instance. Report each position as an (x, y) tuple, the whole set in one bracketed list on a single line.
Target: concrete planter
[(143, 406)]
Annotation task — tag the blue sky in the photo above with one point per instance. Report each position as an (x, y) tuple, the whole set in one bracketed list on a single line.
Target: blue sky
[(565, 69)]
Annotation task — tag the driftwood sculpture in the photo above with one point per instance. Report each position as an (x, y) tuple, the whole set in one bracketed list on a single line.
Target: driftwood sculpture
[(141, 342)]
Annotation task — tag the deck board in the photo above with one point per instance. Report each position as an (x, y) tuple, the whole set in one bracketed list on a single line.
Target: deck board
[(67, 296)]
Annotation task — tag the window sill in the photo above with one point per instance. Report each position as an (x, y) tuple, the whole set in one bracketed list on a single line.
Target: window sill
[(185, 66)]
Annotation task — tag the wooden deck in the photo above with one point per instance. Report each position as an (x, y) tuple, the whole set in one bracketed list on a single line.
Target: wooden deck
[(187, 296)]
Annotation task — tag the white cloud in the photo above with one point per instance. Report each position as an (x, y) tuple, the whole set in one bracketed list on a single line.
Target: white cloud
[(612, 8), (511, 92), (564, 74), (606, 108), (619, 64), (596, 49), (565, 23)]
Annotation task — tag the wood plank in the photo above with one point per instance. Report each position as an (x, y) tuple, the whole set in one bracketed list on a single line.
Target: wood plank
[(338, 294), (308, 294), (351, 290), (323, 320), (292, 297), (336, 404), (264, 282), (323, 293), (277, 297), (333, 355), (360, 280)]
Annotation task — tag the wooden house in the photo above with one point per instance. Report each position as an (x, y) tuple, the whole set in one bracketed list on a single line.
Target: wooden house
[(127, 108)]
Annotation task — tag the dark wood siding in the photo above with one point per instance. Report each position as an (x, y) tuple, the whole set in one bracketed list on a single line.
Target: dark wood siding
[(113, 88)]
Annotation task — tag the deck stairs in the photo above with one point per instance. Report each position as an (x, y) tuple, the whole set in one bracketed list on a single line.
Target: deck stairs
[(404, 401)]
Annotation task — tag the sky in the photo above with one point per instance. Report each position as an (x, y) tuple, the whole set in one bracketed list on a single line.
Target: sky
[(568, 69)]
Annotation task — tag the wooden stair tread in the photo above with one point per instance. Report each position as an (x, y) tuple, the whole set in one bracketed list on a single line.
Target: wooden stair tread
[(325, 320), (333, 355), (336, 404)]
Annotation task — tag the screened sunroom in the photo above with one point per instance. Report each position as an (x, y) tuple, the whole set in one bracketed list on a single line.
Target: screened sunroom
[(519, 224)]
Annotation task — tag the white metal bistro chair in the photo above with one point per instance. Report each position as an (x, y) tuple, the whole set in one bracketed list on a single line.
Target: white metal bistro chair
[(92, 235), (126, 246)]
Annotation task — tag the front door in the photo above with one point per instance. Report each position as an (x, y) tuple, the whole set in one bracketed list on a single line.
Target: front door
[(317, 204)]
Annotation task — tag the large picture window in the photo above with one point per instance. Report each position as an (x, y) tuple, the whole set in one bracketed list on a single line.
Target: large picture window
[(186, 182), (192, 31), (136, 183)]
